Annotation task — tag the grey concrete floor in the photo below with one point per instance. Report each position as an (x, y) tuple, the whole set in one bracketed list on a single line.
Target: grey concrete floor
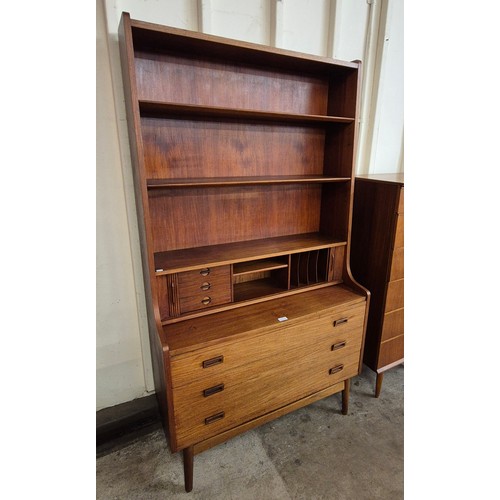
[(312, 453)]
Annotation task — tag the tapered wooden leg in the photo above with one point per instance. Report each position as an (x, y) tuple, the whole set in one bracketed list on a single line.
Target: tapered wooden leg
[(345, 397), (188, 456), (378, 384)]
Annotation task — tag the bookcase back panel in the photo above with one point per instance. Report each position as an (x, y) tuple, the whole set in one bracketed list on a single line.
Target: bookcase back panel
[(192, 217), (342, 98), (339, 150), (181, 79), (177, 148)]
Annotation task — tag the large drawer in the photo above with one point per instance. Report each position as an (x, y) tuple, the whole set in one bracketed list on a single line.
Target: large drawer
[(397, 265), (399, 240), (262, 386), (401, 205), (393, 324), (395, 295), (391, 351), (209, 364)]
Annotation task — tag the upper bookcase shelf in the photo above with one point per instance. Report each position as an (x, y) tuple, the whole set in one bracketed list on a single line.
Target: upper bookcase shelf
[(216, 255), (171, 110), (243, 181)]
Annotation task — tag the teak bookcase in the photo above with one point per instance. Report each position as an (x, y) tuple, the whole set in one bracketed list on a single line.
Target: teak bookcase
[(243, 167)]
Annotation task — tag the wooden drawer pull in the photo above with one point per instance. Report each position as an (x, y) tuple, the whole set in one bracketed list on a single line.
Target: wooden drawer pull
[(336, 369), (214, 418), (213, 390), (340, 321), (206, 300), (205, 272), (212, 361), (338, 345), (206, 286)]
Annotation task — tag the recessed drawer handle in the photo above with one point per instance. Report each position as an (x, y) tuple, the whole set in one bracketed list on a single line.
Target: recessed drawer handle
[(213, 390), (214, 418), (340, 321), (206, 300), (336, 369), (212, 361), (338, 345), (206, 286), (205, 272)]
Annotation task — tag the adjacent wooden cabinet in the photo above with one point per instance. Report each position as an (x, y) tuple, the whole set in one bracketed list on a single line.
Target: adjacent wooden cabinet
[(243, 169), (377, 260)]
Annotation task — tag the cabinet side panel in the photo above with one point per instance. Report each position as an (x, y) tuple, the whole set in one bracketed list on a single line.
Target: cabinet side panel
[(136, 148)]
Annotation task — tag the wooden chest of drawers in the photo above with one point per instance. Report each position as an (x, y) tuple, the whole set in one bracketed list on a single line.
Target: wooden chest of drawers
[(377, 261), (217, 388), (290, 353)]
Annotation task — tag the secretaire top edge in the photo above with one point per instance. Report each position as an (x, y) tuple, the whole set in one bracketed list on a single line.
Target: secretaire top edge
[(157, 37)]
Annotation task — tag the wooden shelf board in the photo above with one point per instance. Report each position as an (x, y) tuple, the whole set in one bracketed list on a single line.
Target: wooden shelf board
[(187, 259), (260, 265), (172, 109), (256, 288), (242, 181)]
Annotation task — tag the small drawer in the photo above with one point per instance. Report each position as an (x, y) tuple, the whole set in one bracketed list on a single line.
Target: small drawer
[(395, 295), (393, 324), (203, 300), (397, 265), (199, 276), (391, 351), (205, 286)]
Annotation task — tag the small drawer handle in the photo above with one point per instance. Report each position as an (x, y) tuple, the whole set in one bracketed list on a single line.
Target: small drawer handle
[(212, 361), (206, 300), (336, 369), (338, 345), (213, 390), (214, 418), (205, 272), (206, 286), (338, 322)]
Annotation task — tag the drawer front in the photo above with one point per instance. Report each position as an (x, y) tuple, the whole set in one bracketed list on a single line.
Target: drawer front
[(204, 410), (399, 240), (204, 288), (211, 363), (397, 265), (206, 299), (393, 324), (401, 205), (198, 276), (395, 295), (391, 351)]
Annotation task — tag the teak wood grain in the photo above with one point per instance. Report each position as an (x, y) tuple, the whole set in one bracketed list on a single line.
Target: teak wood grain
[(243, 159), (377, 261), (206, 331), (240, 251)]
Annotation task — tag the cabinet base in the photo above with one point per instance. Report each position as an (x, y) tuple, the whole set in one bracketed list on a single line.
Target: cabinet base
[(189, 452)]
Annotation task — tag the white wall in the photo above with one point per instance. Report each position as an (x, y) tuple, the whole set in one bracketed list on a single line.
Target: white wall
[(344, 29)]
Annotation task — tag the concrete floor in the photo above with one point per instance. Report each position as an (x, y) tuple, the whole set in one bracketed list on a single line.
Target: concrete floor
[(312, 453)]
